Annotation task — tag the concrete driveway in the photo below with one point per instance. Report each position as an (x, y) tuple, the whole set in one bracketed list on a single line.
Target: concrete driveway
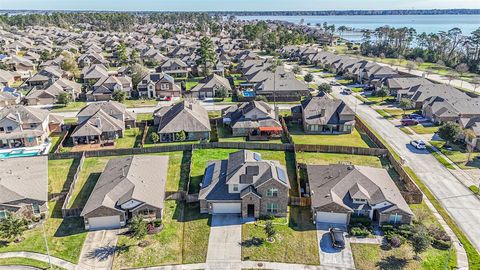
[(98, 249), (332, 258), (224, 249)]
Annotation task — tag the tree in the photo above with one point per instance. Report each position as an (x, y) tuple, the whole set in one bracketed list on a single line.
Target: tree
[(64, 98), (420, 240), (450, 77), (308, 78), (207, 55), (138, 73), (325, 87), (12, 227), (382, 92), (122, 56), (410, 66), (469, 135), (221, 92), (461, 68), (181, 136), (449, 131), (405, 104), (475, 82), (270, 230), (135, 55), (138, 227), (68, 62), (297, 70), (119, 96), (154, 137)]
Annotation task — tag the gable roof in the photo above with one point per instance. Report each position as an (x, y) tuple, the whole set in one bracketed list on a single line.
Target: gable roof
[(332, 109), (183, 116)]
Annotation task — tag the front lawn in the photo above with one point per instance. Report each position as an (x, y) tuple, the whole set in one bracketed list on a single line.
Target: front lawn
[(134, 103), (144, 117), (184, 239), (131, 138), (368, 257), (190, 84), (295, 242), (459, 155), (353, 139), (422, 129), (27, 262), (65, 237), (72, 106)]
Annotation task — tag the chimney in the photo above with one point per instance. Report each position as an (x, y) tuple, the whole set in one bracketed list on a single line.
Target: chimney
[(98, 122), (322, 112), (19, 119), (276, 112)]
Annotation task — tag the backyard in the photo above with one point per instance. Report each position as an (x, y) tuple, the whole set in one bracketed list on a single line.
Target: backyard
[(183, 239), (353, 139), (131, 138), (295, 242)]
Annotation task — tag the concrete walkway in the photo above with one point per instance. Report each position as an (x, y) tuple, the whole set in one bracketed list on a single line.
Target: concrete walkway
[(41, 257), (330, 257), (243, 265)]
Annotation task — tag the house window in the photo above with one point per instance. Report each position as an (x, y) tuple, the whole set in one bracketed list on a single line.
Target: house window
[(272, 208), (3, 214), (36, 208), (273, 192), (164, 86), (30, 139), (394, 219), (359, 212), (2, 129), (235, 188), (33, 125), (9, 129)]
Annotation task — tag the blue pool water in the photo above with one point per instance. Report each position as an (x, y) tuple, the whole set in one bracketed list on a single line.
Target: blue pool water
[(19, 154), (248, 94)]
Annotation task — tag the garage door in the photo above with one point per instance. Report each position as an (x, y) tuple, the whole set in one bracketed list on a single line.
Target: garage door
[(101, 223), (227, 208), (333, 218)]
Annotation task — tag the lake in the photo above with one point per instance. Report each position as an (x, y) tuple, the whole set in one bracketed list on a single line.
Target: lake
[(421, 23)]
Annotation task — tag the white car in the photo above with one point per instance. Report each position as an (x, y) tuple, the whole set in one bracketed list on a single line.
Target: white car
[(418, 144)]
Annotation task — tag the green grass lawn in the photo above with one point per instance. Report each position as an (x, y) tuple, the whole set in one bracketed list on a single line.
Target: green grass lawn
[(70, 120), (144, 117), (27, 262), (190, 84), (406, 130), (132, 103), (131, 138), (331, 158), (184, 239), (72, 106), (458, 155), (368, 257), (295, 242), (353, 139), (65, 237), (421, 129), (55, 140), (201, 157), (58, 171), (225, 135)]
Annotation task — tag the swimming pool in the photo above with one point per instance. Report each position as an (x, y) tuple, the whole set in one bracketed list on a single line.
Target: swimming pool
[(19, 153), (248, 93)]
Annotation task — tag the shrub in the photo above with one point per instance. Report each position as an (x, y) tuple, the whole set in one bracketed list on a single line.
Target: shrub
[(359, 232), (438, 233), (439, 244), (395, 241), (364, 221), (157, 222), (387, 228)]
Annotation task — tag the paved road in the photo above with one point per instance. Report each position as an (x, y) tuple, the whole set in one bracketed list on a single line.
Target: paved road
[(98, 249), (224, 249), (458, 200), (331, 257)]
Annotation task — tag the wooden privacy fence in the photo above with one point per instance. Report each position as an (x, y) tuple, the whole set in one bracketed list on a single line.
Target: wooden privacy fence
[(74, 212)]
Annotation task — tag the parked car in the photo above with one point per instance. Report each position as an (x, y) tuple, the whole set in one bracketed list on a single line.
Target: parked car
[(338, 241), (408, 122), (418, 144), (413, 116), (347, 91), (165, 98)]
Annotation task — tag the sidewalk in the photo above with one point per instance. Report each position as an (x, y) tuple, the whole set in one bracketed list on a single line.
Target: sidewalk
[(41, 257)]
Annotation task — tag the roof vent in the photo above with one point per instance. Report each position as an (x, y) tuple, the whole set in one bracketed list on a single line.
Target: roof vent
[(350, 167)]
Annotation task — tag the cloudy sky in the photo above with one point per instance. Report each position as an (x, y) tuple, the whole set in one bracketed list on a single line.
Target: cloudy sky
[(207, 5)]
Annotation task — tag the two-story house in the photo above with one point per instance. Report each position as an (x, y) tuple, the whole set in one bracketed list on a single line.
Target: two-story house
[(174, 67), (22, 126), (104, 88), (246, 185), (157, 85)]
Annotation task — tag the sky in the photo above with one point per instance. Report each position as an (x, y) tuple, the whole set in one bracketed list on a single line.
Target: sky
[(237, 5)]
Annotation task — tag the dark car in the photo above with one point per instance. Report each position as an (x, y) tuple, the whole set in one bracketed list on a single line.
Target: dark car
[(409, 122), (338, 241)]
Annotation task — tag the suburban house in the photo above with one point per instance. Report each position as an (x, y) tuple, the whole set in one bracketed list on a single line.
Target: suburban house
[(420, 93), (174, 67), (324, 115), (188, 117), (93, 73), (24, 186), (22, 126), (7, 78), (48, 75), (102, 123), (340, 192), (9, 98), (128, 186), (398, 86), (440, 110), (50, 94), (246, 185), (252, 118), (208, 87), (104, 88), (284, 87), (156, 85)]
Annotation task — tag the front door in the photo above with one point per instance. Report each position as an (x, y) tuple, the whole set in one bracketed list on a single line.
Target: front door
[(251, 210)]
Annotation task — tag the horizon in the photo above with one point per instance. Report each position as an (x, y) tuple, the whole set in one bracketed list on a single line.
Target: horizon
[(232, 6)]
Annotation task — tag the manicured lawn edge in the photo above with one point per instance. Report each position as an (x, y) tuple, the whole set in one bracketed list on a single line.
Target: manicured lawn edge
[(472, 254), (440, 159), (26, 262)]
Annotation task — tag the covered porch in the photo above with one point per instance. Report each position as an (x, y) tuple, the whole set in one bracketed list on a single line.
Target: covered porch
[(265, 133)]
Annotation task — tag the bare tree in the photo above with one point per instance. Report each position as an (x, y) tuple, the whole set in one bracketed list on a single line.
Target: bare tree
[(461, 68)]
